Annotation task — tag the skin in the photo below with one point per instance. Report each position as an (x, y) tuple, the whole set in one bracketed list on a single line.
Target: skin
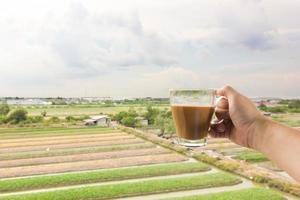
[(239, 120)]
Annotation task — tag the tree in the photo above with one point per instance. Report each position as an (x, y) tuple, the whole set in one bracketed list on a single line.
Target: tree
[(164, 122), (294, 104), (129, 121), (4, 109), (151, 114), (127, 118), (17, 115)]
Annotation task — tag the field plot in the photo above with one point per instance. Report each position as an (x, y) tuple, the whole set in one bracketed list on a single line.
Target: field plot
[(229, 149), (103, 163)]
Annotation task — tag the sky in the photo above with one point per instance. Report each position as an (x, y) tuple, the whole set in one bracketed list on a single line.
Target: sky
[(140, 48)]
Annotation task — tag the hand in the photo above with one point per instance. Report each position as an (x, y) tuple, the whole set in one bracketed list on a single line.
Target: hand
[(237, 119)]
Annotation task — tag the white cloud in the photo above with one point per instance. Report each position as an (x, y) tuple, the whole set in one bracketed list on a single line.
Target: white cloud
[(143, 48)]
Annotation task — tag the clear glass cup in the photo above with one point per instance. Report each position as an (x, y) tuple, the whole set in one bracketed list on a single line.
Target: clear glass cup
[(192, 111)]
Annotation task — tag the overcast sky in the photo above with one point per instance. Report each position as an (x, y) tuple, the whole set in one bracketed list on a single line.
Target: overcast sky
[(136, 48)]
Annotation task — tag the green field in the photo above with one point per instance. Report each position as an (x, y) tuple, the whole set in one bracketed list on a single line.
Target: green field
[(245, 194), (48, 132), (77, 110), (134, 188), (99, 176), (72, 151), (251, 156)]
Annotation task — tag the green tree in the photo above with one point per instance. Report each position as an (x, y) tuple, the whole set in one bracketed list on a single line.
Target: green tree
[(129, 121), (4, 109), (294, 104), (17, 115), (119, 116), (151, 114), (164, 122)]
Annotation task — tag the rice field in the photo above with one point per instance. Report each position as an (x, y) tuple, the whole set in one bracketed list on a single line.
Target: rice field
[(105, 163)]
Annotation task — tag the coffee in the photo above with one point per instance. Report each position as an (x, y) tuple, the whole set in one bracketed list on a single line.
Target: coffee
[(192, 122)]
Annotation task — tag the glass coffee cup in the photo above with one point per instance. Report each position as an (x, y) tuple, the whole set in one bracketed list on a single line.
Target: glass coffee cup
[(192, 111)]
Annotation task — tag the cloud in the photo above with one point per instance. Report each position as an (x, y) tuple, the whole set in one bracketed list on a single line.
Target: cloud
[(92, 45), (143, 48)]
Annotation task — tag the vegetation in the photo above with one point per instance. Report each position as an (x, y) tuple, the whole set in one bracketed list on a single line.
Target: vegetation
[(289, 122), (251, 156), (244, 194), (99, 176), (151, 114), (285, 106), (51, 132), (275, 109), (164, 122), (127, 118), (4, 109), (135, 188), (17, 115), (72, 151)]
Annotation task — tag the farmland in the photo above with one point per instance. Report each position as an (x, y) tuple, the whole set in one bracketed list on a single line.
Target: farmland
[(105, 163), (77, 110)]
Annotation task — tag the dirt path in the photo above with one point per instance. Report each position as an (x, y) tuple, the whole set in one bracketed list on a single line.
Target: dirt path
[(89, 165), (82, 157), (70, 145)]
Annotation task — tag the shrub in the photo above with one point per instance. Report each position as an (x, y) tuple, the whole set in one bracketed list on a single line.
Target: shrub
[(54, 119), (17, 115), (34, 119), (3, 119), (44, 113), (70, 118), (4, 109)]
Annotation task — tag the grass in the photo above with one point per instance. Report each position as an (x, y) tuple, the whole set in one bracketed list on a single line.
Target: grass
[(251, 156), (35, 134), (44, 129), (99, 176), (72, 151), (133, 189), (77, 110), (244, 194), (287, 121)]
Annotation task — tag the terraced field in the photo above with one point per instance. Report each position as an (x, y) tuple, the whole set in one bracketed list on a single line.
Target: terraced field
[(102, 163)]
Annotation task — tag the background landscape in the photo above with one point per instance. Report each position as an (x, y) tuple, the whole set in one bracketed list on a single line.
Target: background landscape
[(84, 107)]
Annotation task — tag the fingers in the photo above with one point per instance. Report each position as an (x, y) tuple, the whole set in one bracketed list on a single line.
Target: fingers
[(222, 102), (226, 91), (222, 108), (220, 128)]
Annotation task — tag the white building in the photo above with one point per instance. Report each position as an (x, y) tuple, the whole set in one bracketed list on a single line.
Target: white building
[(27, 102), (100, 120)]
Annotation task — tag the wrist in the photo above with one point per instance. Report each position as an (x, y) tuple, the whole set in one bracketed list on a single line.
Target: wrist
[(260, 134)]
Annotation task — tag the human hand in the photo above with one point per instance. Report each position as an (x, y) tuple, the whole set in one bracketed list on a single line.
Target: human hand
[(237, 119)]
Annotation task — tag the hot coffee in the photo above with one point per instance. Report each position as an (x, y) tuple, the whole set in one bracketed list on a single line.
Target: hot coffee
[(192, 122)]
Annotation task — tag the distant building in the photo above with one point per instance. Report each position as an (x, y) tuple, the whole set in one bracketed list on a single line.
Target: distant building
[(27, 102), (100, 120)]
